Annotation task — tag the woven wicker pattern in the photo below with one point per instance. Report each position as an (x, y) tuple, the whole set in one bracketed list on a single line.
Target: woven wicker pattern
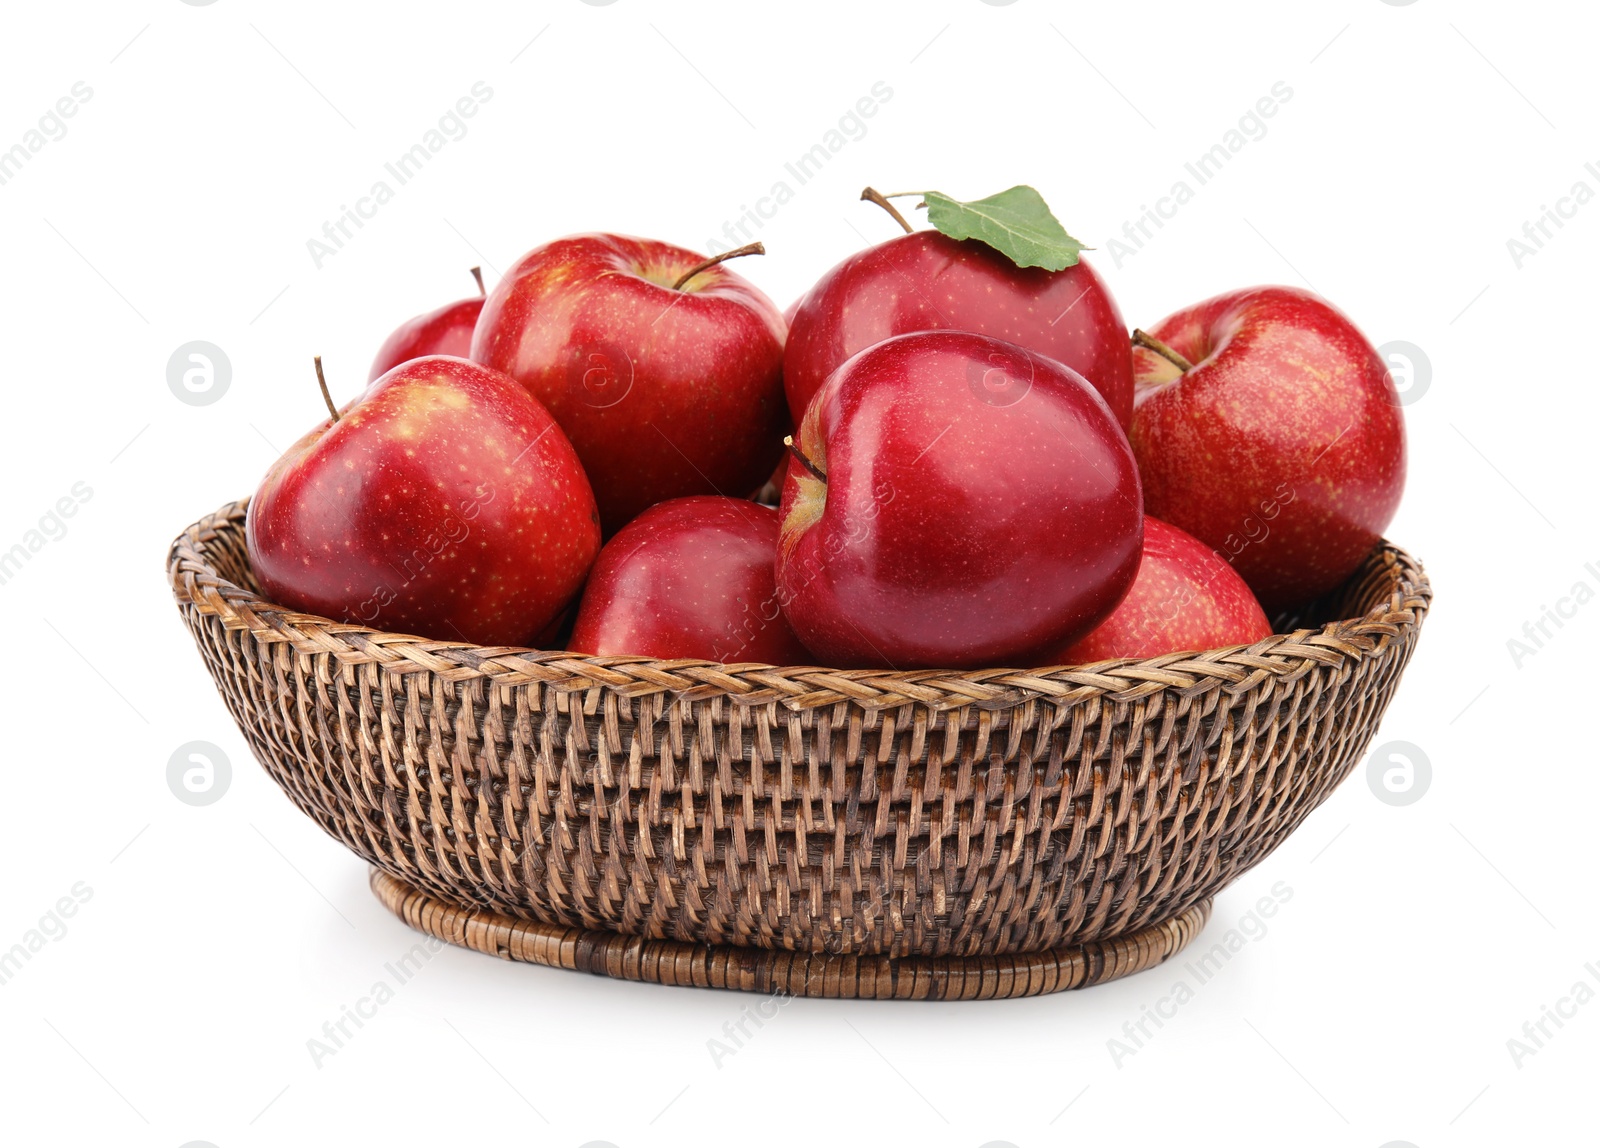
[(801, 974), (925, 813)]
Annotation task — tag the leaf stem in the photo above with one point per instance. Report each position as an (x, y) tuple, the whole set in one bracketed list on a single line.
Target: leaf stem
[(871, 195), (756, 248), (820, 475), (1151, 343), (323, 383)]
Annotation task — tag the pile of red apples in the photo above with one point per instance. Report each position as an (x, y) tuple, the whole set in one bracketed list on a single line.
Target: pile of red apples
[(976, 464)]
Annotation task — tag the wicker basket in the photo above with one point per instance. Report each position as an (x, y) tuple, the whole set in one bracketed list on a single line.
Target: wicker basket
[(790, 829)]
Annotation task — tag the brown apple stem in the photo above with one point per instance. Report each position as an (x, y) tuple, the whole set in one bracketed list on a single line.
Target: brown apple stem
[(1151, 343), (756, 248), (323, 383), (788, 441), (477, 273), (872, 195)]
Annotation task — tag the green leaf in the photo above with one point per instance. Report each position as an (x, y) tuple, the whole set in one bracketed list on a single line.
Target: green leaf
[(1017, 223)]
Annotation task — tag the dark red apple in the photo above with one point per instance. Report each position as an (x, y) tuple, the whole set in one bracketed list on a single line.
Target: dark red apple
[(443, 502), (446, 331), (926, 281), (963, 502), (668, 384), (1271, 431), (689, 578), (1185, 597), (772, 489)]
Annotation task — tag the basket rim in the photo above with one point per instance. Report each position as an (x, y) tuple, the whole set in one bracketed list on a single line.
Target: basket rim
[(196, 584)]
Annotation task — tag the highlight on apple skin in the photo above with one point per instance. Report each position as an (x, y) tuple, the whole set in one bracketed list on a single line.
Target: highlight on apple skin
[(442, 502), (984, 469), (689, 578), (1272, 432), (1185, 597), (926, 281), (961, 502)]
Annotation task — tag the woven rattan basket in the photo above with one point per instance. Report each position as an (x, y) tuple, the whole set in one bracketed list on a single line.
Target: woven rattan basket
[(917, 834)]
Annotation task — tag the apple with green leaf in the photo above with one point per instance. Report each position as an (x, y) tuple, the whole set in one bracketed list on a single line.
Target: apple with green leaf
[(1002, 266)]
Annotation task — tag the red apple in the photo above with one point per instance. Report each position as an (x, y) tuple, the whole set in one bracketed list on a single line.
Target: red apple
[(770, 491), (1273, 435), (1185, 597), (446, 331), (972, 504), (443, 502), (926, 281), (666, 385), (689, 578)]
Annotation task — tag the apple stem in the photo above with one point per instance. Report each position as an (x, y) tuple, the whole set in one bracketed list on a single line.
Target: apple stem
[(477, 273), (788, 441), (323, 383), (756, 248), (1151, 343), (872, 195)]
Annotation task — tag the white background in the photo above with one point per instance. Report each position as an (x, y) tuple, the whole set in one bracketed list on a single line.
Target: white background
[(1419, 138)]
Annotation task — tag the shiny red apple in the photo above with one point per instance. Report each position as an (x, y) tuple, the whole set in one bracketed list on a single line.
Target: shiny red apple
[(962, 502), (1271, 431), (668, 383), (445, 331), (443, 502), (1185, 597), (772, 489), (926, 281), (689, 578)]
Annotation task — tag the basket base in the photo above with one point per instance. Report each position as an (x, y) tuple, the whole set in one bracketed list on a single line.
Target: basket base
[(782, 971)]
